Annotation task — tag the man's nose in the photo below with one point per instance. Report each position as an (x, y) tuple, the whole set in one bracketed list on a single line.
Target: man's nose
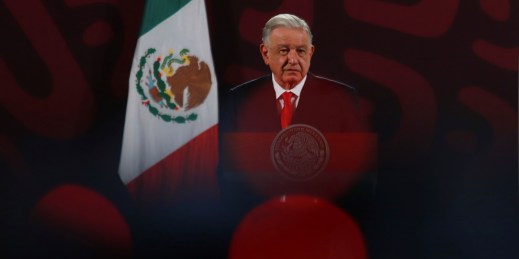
[(292, 57)]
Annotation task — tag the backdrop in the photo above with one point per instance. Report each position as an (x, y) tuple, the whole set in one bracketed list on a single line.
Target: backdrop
[(438, 77)]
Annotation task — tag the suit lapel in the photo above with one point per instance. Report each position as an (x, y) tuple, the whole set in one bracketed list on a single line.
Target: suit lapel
[(259, 111), (306, 103)]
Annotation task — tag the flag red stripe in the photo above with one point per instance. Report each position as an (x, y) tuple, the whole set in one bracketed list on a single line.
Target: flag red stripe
[(189, 170)]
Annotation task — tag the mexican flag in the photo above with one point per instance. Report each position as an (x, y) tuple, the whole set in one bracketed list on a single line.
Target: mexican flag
[(170, 141)]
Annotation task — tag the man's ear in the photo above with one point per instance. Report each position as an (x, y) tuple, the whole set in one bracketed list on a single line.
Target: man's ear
[(264, 53)]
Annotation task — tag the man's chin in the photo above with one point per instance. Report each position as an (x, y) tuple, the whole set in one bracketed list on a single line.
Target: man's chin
[(292, 80)]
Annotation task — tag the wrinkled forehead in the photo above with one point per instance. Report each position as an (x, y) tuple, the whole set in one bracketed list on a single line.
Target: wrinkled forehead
[(289, 36)]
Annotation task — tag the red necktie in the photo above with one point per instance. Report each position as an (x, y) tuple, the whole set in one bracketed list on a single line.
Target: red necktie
[(286, 112)]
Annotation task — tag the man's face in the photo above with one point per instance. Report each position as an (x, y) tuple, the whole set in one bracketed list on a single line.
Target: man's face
[(288, 55)]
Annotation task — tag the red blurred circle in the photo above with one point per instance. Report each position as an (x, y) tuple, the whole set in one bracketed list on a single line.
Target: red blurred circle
[(85, 216), (297, 227)]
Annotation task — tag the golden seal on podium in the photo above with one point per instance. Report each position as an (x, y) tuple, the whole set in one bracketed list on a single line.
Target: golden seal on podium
[(300, 152)]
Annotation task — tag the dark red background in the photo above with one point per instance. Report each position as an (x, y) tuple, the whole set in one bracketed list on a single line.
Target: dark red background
[(439, 78)]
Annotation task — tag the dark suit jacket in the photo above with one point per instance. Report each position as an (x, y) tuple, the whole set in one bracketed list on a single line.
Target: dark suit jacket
[(327, 105)]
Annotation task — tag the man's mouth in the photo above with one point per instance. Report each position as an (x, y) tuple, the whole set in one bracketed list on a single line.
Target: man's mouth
[(292, 69)]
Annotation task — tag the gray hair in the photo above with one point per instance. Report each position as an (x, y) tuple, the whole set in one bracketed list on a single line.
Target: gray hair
[(289, 21)]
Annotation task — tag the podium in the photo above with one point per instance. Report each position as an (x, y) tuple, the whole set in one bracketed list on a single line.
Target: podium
[(298, 160)]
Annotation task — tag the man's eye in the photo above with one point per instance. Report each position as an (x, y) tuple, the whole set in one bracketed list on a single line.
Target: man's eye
[(301, 51), (283, 51)]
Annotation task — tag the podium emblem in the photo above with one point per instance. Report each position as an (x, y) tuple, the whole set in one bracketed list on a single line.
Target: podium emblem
[(300, 152)]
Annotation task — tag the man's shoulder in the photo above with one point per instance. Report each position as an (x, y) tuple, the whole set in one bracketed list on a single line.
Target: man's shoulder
[(331, 84), (265, 79)]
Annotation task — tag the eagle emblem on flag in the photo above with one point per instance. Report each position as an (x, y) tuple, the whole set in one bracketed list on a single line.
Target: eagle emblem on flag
[(171, 87)]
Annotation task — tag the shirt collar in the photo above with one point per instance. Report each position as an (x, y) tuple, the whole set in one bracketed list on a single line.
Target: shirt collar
[(280, 90)]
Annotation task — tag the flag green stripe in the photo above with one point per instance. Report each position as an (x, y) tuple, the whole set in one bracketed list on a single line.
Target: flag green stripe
[(156, 11)]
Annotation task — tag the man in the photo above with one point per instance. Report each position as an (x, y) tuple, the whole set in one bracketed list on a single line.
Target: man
[(287, 50), (256, 111)]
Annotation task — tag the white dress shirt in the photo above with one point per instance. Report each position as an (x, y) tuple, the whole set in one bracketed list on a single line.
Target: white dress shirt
[(295, 90)]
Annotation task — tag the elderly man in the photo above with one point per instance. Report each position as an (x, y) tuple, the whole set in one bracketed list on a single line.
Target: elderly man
[(291, 132), (257, 165), (290, 95)]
